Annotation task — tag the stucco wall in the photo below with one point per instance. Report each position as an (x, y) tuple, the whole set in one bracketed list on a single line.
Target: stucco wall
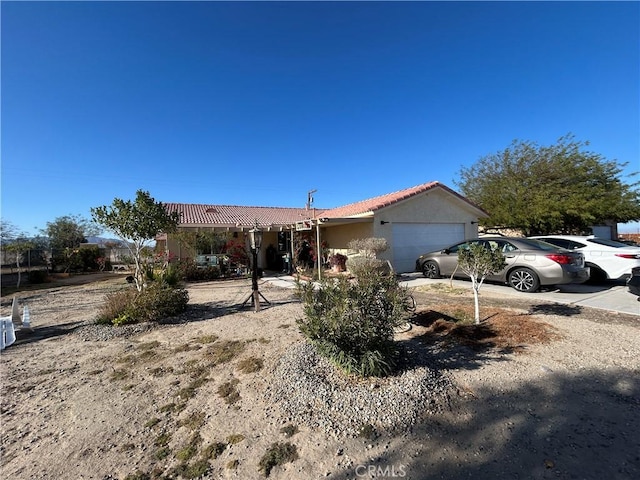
[(435, 206), (339, 236)]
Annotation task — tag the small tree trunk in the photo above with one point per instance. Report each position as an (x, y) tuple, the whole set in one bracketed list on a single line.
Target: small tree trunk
[(451, 278), (138, 274), (476, 302), (18, 265)]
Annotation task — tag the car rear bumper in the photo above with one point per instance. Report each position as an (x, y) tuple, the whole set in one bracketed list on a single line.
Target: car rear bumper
[(579, 276), (559, 275)]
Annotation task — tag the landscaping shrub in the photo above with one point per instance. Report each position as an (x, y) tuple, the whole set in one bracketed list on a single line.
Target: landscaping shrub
[(352, 323), (171, 276), (359, 265), (338, 261), (115, 305), (159, 300), (38, 276), (80, 259), (366, 259), (189, 271)]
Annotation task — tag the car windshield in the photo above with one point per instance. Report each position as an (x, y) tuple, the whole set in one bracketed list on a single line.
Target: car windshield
[(608, 243)]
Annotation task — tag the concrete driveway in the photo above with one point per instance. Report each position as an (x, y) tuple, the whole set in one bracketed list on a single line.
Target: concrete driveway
[(611, 296)]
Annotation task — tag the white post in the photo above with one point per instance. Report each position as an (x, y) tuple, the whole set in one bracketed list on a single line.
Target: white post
[(319, 249)]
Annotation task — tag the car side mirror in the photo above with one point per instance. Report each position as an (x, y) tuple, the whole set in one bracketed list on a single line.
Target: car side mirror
[(446, 251)]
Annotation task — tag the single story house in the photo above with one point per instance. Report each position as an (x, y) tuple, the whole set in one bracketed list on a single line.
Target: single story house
[(413, 221)]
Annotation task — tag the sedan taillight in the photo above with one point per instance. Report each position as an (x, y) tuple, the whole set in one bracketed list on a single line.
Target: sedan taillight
[(561, 258), (633, 256)]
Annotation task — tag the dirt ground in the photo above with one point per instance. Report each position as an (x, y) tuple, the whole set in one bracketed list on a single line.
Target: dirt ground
[(156, 402)]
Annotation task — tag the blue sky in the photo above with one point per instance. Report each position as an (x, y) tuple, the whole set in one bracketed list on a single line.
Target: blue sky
[(246, 103)]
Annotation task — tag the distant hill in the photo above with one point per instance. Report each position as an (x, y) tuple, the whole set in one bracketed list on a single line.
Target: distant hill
[(103, 240)]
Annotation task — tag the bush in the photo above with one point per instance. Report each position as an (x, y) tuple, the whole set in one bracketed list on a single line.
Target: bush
[(353, 324), (116, 305), (80, 259), (38, 276), (366, 258), (277, 454), (171, 276), (159, 300), (189, 271), (359, 265), (339, 261)]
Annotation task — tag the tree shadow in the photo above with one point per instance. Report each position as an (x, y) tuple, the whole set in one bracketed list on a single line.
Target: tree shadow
[(450, 345), (39, 333), (200, 312), (558, 425), (555, 309)]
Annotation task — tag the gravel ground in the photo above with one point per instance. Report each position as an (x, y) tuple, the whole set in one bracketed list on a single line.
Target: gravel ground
[(566, 409)]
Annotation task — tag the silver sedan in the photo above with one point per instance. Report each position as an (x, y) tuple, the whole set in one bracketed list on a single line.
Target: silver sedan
[(530, 263)]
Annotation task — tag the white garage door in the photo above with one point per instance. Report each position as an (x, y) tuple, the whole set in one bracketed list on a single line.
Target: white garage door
[(410, 240)]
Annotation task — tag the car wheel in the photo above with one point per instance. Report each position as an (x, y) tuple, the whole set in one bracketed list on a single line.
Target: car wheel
[(596, 275), (430, 269), (524, 280)]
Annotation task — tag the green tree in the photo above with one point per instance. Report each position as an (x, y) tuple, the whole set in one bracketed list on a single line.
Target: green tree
[(561, 188), (136, 223), (69, 231), (478, 262)]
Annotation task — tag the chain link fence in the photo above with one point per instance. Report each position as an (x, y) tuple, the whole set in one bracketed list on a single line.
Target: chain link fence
[(84, 257)]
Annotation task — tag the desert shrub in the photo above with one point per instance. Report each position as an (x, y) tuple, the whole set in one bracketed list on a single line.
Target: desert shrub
[(214, 450), (359, 265), (289, 430), (115, 305), (193, 470), (159, 301), (171, 276), (38, 276), (277, 454), (352, 323), (370, 247), (250, 365), (154, 303), (235, 438), (229, 392), (189, 271), (366, 259)]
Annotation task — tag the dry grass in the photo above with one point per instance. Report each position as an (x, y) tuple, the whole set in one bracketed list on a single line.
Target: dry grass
[(229, 392), (250, 365), (499, 328)]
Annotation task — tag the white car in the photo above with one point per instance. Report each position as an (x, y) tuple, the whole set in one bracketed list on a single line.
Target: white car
[(608, 259)]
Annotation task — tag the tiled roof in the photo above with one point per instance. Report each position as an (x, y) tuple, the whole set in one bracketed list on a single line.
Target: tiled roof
[(371, 205), (234, 215), (240, 216)]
